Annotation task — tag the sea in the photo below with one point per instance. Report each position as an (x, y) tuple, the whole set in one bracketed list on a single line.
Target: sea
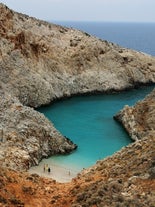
[(88, 120)]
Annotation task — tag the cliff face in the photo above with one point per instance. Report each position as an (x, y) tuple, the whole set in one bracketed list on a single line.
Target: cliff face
[(26, 136), (40, 62), (139, 120)]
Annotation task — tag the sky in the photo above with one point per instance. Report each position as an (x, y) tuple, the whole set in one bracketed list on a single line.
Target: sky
[(86, 10)]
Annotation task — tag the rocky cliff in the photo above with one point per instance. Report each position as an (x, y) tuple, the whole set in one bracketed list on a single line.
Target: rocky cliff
[(139, 120), (26, 136)]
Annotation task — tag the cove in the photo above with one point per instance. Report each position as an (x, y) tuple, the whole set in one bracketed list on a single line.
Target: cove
[(88, 122)]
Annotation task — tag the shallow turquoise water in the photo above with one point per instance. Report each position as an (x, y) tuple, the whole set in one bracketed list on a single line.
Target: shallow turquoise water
[(88, 122)]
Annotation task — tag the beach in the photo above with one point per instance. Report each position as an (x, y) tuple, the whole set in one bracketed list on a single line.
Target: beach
[(57, 172)]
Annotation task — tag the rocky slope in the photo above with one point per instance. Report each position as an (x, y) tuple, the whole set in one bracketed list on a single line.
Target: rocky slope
[(41, 62), (139, 120), (26, 136)]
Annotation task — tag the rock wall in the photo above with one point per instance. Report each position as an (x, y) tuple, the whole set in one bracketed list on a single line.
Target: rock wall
[(139, 120), (41, 62), (26, 136)]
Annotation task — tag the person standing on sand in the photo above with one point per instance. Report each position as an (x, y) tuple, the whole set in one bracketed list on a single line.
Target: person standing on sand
[(46, 168), (49, 170)]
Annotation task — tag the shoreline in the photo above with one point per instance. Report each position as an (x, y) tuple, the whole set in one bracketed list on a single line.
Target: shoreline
[(137, 85), (57, 172)]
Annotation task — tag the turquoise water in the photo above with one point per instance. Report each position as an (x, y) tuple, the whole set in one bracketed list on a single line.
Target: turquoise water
[(88, 122)]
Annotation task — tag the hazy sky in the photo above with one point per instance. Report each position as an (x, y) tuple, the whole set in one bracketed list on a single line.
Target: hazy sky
[(86, 10)]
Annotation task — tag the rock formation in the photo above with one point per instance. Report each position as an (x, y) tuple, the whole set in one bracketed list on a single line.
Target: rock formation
[(41, 62), (139, 120), (27, 136)]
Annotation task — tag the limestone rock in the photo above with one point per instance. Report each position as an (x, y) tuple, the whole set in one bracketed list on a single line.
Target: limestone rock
[(139, 120), (27, 136)]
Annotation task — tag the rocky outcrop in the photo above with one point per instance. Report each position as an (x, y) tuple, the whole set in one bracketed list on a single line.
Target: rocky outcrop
[(27, 136), (139, 120), (41, 62)]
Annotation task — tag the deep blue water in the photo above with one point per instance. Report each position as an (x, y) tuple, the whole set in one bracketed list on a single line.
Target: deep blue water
[(88, 120)]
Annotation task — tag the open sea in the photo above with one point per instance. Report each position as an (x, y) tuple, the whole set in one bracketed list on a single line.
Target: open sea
[(88, 120)]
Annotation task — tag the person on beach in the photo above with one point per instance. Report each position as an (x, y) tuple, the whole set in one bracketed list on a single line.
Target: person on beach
[(46, 168), (49, 170)]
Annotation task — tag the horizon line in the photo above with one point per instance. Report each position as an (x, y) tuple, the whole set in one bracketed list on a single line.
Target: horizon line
[(101, 21)]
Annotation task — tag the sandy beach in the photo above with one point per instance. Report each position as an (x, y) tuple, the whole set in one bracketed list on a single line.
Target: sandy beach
[(57, 172)]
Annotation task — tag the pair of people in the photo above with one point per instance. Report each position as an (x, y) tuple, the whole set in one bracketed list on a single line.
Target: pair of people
[(47, 168)]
